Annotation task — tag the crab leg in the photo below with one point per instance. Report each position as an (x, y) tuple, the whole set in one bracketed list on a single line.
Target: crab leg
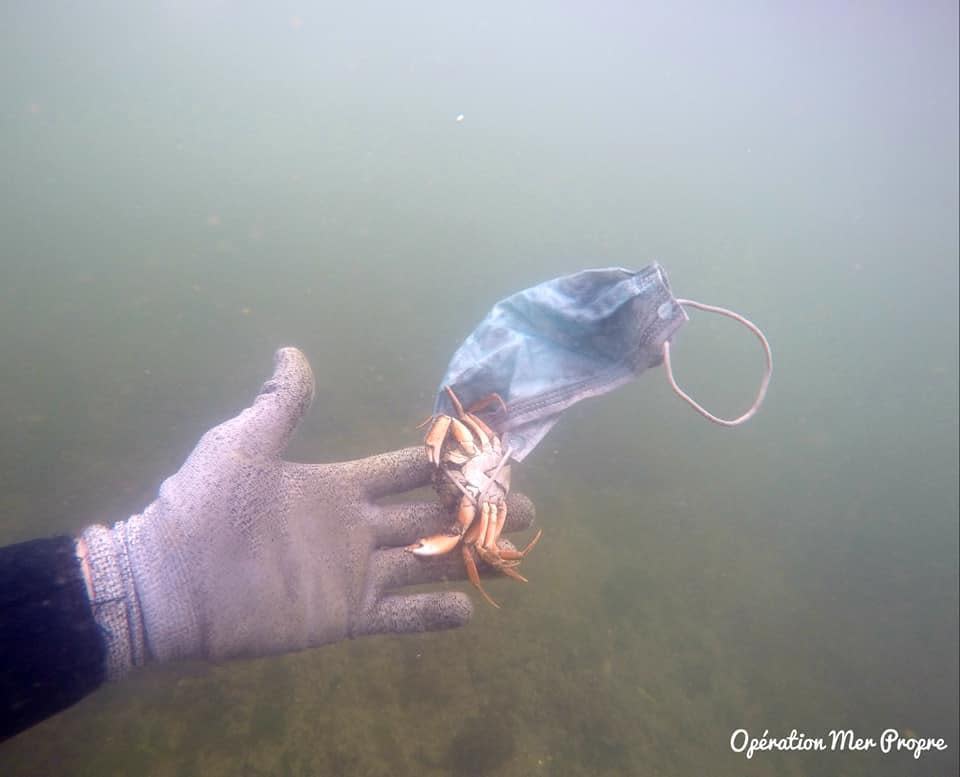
[(484, 402), (473, 575), (480, 429), (515, 555), (511, 572), (478, 529), (494, 534), (476, 426), (466, 513), (462, 434), (479, 405), (455, 400), (491, 523), (484, 432)]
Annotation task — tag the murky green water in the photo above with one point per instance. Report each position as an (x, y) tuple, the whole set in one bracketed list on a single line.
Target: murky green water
[(185, 189)]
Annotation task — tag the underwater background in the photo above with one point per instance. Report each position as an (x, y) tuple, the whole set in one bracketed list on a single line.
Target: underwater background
[(186, 186)]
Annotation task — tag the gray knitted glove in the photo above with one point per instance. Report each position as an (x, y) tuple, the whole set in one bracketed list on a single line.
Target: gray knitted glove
[(244, 554)]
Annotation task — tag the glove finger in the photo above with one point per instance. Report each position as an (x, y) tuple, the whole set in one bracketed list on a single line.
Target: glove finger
[(413, 613), (395, 568), (407, 522), (393, 472), (370, 478), (284, 398)]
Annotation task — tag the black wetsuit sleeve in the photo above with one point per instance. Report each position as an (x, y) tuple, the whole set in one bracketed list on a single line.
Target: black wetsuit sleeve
[(51, 650)]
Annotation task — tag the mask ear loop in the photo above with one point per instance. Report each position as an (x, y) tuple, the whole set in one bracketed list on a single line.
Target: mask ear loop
[(751, 411)]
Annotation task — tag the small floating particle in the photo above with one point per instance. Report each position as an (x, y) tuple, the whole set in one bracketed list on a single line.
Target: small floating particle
[(460, 117)]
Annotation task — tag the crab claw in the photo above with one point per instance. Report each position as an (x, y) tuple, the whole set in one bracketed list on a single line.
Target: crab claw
[(436, 545), (435, 437)]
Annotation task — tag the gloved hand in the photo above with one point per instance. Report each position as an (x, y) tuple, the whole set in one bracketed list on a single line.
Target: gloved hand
[(244, 554)]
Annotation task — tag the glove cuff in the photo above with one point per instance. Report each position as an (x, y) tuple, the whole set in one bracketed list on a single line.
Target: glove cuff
[(116, 606)]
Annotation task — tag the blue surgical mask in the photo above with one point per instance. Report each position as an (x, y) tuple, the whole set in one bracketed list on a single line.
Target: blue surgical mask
[(544, 349)]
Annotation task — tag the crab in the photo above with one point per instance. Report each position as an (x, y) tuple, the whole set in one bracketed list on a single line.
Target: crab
[(473, 475)]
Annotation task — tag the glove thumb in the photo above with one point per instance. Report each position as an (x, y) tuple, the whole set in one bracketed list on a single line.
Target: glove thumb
[(270, 422)]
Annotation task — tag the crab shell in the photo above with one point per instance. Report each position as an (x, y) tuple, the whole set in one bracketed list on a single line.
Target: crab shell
[(473, 475)]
